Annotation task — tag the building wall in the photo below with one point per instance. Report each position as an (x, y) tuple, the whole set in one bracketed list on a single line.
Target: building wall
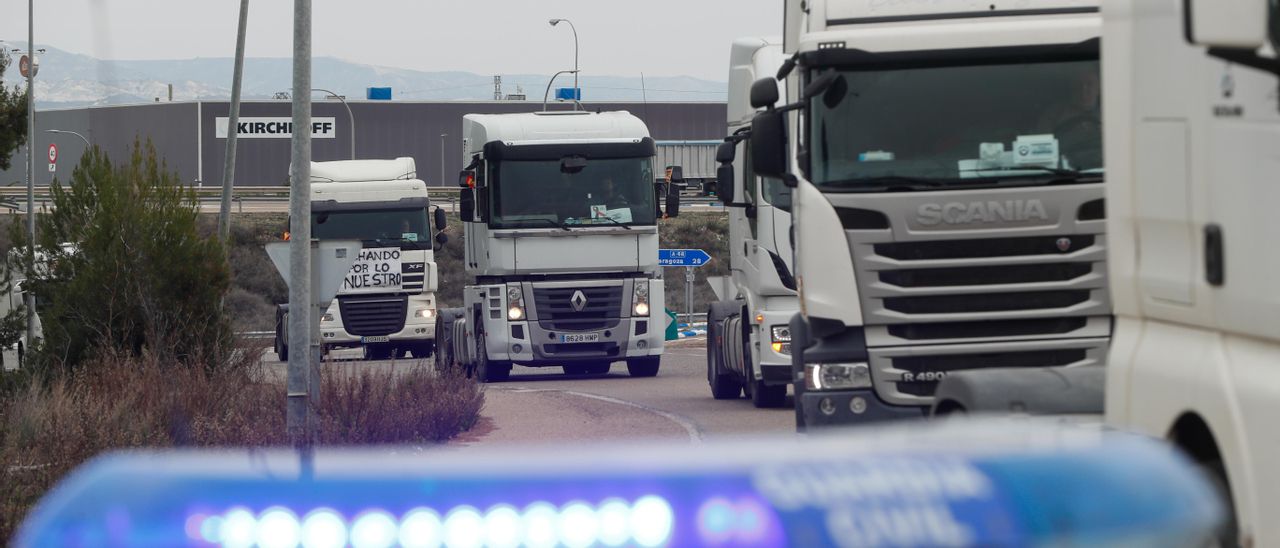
[(184, 134)]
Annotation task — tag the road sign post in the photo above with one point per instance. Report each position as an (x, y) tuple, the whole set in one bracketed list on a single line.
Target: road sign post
[(53, 157), (690, 259), (330, 262)]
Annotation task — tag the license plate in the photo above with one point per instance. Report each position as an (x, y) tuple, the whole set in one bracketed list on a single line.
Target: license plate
[(579, 337), (367, 340)]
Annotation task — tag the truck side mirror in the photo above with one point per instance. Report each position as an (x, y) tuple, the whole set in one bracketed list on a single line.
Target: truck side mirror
[(673, 198), (724, 183), (726, 152), (764, 93), (467, 178), (1235, 24), (769, 144), (441, 221), (467, 205)]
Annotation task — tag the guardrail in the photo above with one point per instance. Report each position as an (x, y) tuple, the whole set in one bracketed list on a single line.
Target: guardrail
[(276, 193)]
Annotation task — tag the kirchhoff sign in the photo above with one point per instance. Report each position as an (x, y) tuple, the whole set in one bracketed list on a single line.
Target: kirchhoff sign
[(275, 127)]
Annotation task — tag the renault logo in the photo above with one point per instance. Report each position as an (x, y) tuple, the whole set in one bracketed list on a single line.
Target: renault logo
[(578, 300)]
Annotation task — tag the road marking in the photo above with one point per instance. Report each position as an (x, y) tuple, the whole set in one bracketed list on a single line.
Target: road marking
[(694, 433)]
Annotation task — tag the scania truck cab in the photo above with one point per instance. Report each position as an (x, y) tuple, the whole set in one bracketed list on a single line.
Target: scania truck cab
[(387, 303), (946, 159), (561, 239), (748, 335)]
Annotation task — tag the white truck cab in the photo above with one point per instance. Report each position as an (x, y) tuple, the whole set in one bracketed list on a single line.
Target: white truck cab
[(946, 159), (387, 303), (561, 239), (1193, 145), (748, 334)]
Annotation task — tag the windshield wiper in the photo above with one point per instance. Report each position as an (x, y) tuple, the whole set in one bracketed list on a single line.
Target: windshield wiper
[(615, 221), (1063, 176), (560, 226), (889, 183)]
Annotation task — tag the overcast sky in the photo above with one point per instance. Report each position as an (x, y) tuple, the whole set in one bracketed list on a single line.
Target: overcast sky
[(624, 38)]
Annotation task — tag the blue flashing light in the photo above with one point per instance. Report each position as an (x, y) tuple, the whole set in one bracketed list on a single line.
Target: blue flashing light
[(1002, 484)]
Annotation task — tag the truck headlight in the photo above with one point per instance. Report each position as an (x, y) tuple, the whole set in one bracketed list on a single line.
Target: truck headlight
[(640, 298), (326, 317), (780, 339), (424, 313), (836, 376), (515, 303)]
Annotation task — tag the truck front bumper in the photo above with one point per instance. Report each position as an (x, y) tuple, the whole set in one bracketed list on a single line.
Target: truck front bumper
[(421, 330), (530, 343), (850, 408)]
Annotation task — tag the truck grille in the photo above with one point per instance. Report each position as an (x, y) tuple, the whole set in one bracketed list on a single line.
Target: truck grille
[(979, 281), (373, 316), (554, 305)]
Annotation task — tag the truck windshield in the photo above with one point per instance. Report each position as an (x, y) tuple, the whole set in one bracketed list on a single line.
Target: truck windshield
[(404, 227), (540, 194), (1022, 123)]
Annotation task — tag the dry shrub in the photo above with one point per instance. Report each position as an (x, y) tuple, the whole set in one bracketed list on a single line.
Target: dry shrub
[(50, 426), (403, 403)]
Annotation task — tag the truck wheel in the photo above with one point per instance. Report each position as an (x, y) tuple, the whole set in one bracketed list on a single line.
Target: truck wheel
[(723, 387), (486, 370), (282, 350), (763, 395), (644, 367)]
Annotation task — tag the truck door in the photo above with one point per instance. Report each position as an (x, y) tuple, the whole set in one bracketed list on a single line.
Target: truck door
[(743, 222)]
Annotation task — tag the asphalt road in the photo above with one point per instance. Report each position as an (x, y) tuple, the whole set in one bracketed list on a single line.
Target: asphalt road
[(542, 405)]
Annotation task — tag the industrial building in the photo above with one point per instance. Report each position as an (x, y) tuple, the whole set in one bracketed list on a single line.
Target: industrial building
[(191, 136)]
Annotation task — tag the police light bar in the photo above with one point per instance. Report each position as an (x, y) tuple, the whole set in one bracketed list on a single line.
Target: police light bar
[(1004, 483)]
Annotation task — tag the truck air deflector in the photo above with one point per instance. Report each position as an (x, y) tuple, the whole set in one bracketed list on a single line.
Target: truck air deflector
[(414, 202), (496, 151), (1081, 51), (914, 18)]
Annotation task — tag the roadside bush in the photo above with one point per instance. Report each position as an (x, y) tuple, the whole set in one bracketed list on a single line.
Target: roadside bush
[(121, 266), (118, 401), (706, 231)]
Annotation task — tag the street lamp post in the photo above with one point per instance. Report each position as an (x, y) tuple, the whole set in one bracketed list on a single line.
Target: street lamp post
[(576, 89), (29, 297), (350, 116), (442, 171), (87, 146)]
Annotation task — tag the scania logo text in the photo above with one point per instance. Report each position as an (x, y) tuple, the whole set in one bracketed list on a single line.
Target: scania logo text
[(963, 213)]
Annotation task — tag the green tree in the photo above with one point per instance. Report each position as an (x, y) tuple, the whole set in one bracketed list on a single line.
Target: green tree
[(13, 117), (120, 265)]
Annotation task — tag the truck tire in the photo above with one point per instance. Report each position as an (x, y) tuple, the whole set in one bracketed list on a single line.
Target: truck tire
[(768, 396), (281, 348), (488, 371), (644, 367), (799, 341), (723, 385)]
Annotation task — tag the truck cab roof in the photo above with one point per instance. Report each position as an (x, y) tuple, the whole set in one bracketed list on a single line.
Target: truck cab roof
[(556, 127), (385, 182)]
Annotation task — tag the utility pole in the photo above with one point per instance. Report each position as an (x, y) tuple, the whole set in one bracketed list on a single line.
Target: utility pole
[(29, 298), (233, 122), (303, 376), (443, 181)]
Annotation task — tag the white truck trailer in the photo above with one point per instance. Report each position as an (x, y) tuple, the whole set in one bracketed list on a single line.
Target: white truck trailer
[(1192, 135), (748, 335), (562, 241), (946, 161), (387, 303)]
